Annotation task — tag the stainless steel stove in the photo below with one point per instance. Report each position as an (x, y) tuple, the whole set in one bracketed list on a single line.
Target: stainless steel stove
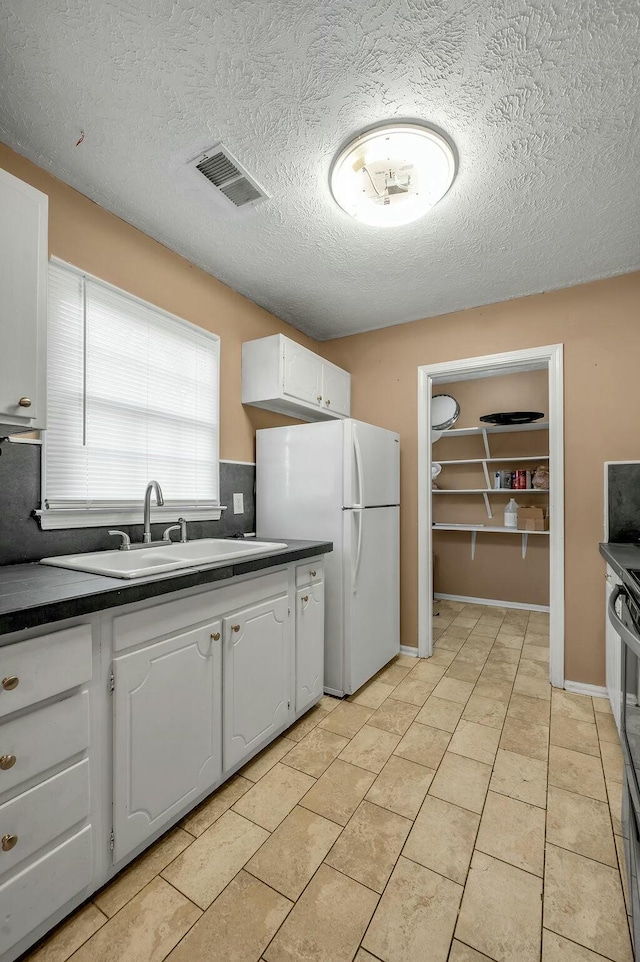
[(624, 614)]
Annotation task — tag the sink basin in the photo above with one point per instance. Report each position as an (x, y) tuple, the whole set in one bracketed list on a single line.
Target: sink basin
[(142, 562)]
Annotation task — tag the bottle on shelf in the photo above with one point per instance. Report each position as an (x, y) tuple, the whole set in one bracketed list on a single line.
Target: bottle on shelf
[(511, 514)]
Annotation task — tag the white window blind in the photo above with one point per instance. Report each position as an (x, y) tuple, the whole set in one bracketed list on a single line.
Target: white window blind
[(133, 394)]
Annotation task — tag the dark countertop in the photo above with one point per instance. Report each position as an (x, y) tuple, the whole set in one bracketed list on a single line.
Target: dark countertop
[(34, 594), (622, 557)]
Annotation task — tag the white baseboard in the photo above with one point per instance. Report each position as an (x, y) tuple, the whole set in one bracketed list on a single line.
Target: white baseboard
[(579, 688), (409, 650), (467, 600)]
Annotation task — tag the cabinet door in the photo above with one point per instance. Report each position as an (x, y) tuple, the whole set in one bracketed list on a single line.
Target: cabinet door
[(23, 300), (256, 668), (302, 373), (309, 645), (336, 389), (167, 731)]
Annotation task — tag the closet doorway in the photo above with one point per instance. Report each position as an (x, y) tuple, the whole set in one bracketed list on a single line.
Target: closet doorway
[(464, 520)]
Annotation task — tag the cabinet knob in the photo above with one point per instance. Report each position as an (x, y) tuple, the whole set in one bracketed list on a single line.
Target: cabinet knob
[(327, 402), (312, 573), (305, 598), (10, 682), (7, 762), (215, 636), (319, 398), (235, 627), (25, 402), (9, 842)]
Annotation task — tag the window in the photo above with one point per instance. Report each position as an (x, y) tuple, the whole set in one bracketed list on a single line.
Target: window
[(132, 394)]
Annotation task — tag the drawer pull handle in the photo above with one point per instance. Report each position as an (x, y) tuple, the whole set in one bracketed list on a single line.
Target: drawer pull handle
[(215, 636), (235, 627), (305, 598), (7, 762), (312, 573), (25, 402), (10, 682), (9, 842)]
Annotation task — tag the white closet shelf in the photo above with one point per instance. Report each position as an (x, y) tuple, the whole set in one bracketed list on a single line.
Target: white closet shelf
[(511, 491), (500, 529), (540, 457), (489, 529), (494, 429)]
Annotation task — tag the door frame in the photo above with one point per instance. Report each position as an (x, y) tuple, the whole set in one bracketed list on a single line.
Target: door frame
[(511, 362)]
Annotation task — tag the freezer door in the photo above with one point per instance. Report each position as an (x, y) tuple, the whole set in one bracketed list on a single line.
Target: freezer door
[(372, 465), (371, 592)]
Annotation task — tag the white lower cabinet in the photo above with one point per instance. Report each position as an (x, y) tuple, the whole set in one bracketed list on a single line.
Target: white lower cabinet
[(191, 684), (167, 731), (33, 894), (309, 645), (257, 683)]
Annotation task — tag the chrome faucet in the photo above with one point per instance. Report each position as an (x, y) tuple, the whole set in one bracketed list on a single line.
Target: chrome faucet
[(146, 537)]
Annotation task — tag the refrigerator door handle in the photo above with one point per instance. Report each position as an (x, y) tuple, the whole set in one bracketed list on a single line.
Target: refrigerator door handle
[(359, 471), (357, 515)]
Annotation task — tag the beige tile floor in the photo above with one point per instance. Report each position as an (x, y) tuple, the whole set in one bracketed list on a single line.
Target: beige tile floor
[(453, 809)]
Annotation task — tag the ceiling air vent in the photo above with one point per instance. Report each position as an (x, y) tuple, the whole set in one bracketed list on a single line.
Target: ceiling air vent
[(225, 173)]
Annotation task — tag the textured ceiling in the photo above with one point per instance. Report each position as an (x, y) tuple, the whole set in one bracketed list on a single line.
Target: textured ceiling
[(540, 98)]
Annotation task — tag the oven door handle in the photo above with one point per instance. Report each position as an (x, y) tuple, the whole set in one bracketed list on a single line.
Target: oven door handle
[(631, 640)]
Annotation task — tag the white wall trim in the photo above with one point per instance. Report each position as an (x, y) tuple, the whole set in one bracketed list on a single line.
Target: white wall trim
[(468, 600), (512, 362), (579, 688), (231, 461), (410, 650)]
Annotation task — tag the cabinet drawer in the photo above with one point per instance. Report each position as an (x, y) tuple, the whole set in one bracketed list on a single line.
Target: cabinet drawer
[(44, 666), (157, 620), (310, 572), (31, 896), (43, 813), (43, 738)]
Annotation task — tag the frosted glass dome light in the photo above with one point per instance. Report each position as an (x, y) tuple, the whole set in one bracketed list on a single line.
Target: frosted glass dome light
[(394, 174)]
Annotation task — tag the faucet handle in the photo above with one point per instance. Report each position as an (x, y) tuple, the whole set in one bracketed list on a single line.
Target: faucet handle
[(166, 534), (126, 540)]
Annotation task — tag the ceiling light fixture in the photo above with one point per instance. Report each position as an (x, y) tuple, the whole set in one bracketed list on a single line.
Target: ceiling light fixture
[(392, 175)]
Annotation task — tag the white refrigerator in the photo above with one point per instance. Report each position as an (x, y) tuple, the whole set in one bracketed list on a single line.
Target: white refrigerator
[(339, 481)]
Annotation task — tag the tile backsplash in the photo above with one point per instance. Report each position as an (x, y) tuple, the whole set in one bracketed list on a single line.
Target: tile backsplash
[(21, 538), (623, 484)]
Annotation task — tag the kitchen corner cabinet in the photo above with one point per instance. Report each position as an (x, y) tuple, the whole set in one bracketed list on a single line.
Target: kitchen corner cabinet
[(279, 374), (23, 303)]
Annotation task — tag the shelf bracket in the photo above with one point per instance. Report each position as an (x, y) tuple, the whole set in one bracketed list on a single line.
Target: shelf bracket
[(525, 538), (473, 545), (487, 504), (485, 438)]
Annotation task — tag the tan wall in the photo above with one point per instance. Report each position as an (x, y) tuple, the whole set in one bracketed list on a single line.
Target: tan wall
[(498, 571), (100, 243), (599, 324)]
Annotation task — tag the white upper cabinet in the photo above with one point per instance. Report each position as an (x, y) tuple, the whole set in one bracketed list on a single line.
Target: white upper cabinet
[(23, 303), (279, 374)]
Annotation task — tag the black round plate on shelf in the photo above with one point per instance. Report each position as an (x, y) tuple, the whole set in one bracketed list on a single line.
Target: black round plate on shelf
[(512, 417)]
